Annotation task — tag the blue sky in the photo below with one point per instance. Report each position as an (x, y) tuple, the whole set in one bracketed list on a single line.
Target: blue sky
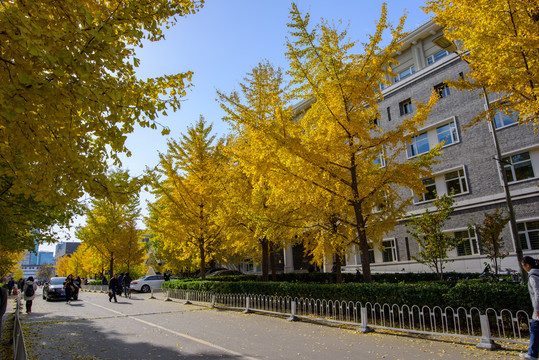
[(224, 41)]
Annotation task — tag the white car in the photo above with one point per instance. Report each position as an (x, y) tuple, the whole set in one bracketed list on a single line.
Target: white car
[(147, 283)]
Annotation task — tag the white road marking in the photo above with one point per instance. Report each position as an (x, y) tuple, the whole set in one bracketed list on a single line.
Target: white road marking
[(189, 337)]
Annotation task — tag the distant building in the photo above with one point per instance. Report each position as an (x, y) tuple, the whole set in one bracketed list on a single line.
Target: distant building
[(65, 248), (45, 257)]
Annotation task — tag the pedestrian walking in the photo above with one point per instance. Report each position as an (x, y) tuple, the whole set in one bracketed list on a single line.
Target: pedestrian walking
[(113, 287), (126, 283), (532, 267), (69, 288), (10, 285), (120, 283), (29, 291)]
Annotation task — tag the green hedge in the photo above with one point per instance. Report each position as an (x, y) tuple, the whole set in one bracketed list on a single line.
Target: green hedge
[(330, 278), (467, 294)]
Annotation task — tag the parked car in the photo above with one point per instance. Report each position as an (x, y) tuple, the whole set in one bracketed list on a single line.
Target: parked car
[(224, 272), (147, 283), (54, 289)]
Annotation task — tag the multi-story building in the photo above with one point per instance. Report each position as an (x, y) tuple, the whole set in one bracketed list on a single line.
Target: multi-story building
[(467, 167), (65, 248)]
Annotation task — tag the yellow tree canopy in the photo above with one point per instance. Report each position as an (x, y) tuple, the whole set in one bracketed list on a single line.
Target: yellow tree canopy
[(69, 96), (331, 145), (186, 210), (109, 221), (501, 44)]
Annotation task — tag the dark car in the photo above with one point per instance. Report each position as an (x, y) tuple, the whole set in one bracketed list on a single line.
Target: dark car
[(54, 289)]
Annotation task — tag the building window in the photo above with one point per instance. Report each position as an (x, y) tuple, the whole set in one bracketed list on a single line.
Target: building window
[(390, 251), (518, 167), (388, 113), (419, 145), (528, 234), (502, 120), (380, 159), (455, 182), (430, 191), (447, 133), (442, 90), (437, 56), (406, 107), (468, 243), (404, 74)]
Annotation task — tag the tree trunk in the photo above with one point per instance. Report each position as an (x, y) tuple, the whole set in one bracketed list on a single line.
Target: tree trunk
[(272, 262), (338, 265), (265, 251), (202, 262), (365, 257), (111, 265)]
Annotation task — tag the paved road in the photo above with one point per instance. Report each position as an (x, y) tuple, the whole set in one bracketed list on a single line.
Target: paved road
[(143, 328)]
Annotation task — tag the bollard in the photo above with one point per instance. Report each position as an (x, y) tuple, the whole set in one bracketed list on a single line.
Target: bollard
[(151, 294), (247, 305), (187, 302), (364, 327), (213, 301), (293, 316), (167, 297), (486, 341)]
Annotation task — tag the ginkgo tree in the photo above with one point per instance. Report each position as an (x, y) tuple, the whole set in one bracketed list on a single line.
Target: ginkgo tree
[(187, 189), (330, 143), (110, 221), (500, 42), (70, 95), (255, 208)]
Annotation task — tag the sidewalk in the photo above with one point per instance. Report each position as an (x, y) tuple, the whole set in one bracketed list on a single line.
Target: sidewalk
[(6, 351)]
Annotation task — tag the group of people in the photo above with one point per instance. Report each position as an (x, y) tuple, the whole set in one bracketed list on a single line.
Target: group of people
[(119, 284)]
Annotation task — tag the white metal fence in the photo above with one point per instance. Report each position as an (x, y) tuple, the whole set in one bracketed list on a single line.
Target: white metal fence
[(19, 347), (487, 327)]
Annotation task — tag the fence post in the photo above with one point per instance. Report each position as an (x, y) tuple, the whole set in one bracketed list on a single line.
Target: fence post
[(486, 341), (293, 316), (213, 301), (187, 302), (247, 306), (364, 327)]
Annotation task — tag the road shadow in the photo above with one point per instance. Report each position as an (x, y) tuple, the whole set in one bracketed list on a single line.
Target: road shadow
[(115, 337)]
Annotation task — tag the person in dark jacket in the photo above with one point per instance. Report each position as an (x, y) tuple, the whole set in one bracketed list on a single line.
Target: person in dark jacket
[(3, 306), (126, 283), (69, 288), (532, 267), (120, 283), (113, 287), (10, 285)]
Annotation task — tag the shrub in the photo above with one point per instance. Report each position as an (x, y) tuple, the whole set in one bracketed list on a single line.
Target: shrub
[(466, 294)]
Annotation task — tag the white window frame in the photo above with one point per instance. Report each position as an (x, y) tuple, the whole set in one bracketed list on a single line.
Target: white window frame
[(432, 136), (404, 74), (526, 233), (436, 56), (508, 164), (406, 107), (442, 90), (440, 183), (502, 116), (423, 198), (462, 180), (413, 148), (472, 240), (453, 133), (391, 250)]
